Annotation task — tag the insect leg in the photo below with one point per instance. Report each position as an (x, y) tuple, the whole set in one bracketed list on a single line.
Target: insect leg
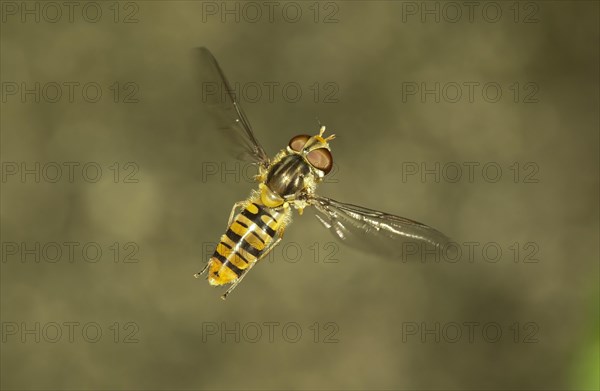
[(261, 177), (250, 266), (197, 275), (232, 214)]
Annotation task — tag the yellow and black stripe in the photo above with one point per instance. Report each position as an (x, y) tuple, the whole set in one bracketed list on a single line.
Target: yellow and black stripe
[(246, 239)]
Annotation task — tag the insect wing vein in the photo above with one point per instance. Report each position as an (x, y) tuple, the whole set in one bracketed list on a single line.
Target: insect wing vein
[(373, 231), (211, 70)]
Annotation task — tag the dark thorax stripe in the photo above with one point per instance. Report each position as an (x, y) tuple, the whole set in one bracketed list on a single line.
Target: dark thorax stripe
[(288, 174), (291, 169), (287, 165)]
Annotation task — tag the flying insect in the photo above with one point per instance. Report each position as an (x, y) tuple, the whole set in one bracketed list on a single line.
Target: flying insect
[(289, 181)]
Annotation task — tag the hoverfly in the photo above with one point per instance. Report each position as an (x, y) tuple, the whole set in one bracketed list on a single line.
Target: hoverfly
[(287, 181)]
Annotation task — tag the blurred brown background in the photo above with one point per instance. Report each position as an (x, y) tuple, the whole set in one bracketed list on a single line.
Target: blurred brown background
[(150, 190)]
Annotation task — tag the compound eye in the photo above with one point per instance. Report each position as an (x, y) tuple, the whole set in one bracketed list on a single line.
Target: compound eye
[(298, 142), (321, 158)]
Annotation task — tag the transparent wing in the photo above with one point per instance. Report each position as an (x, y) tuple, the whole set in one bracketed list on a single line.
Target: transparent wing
[(377, 232), (231, 119)]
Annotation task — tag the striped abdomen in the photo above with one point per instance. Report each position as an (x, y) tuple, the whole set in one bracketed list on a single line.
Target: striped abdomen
[(246, 239)]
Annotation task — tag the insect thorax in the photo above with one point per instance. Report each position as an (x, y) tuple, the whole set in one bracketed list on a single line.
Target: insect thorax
[(289, 176)]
